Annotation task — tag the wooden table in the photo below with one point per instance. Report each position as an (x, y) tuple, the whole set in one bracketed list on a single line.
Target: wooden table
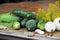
[(8, 7)]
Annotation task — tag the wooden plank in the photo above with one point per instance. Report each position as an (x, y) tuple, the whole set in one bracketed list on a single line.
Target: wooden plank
[(20, 33), (29, 6)]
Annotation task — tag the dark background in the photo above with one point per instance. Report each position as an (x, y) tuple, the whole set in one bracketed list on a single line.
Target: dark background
[(9, 1), (16, 1)]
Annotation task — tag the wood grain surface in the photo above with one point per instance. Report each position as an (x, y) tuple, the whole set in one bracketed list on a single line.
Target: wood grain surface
[(29, 6)]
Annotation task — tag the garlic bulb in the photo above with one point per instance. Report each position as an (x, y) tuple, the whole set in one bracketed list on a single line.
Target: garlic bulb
[(39, 31)]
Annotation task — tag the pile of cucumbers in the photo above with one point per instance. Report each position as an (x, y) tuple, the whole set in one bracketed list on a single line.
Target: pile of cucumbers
[(28, 19)]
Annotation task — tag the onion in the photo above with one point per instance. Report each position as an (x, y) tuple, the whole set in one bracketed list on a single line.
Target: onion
[(50, 27)]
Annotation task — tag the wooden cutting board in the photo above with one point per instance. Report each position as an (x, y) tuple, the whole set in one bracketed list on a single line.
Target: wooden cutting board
[(56, 33), (20, 33)]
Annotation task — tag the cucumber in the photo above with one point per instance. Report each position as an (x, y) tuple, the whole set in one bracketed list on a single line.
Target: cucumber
[(24, 14), (23, 22), (31, 25)]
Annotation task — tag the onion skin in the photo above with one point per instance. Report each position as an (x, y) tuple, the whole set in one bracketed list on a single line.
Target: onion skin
[(57, 23), (50, 27)]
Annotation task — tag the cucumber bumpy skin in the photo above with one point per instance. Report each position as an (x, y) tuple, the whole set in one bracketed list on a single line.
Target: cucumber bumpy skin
[(31, 25)]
